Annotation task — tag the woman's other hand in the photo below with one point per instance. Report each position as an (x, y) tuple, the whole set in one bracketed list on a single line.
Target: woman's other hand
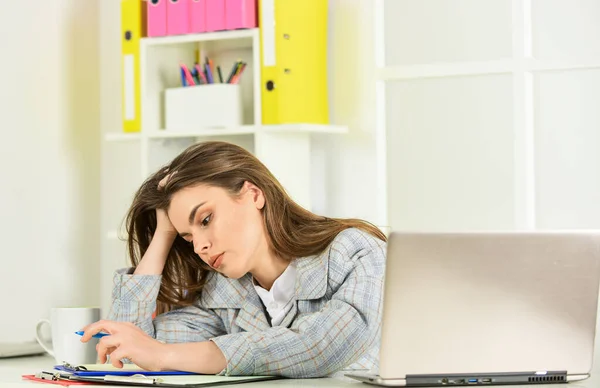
[(163, 224), (126, 341)]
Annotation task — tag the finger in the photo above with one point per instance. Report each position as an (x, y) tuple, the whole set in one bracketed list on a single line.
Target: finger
[(110, 341), (92, 329), (96, 327), (106, 343), (164, 181), (117, 355), (104, 357)]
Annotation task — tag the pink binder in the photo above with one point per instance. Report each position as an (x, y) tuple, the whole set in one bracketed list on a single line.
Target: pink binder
[(177, 17), (215, 15), (197, 16), (240, 14), (156, 15)]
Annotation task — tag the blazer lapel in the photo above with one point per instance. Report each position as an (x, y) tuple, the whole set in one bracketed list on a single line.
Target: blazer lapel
[(224, 293), (252, 314), (289, 317)]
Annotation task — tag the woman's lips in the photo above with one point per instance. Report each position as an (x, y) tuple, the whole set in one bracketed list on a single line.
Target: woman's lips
[(217, 263)]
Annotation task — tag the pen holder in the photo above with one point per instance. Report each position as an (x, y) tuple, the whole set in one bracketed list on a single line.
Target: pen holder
[(203, 107)]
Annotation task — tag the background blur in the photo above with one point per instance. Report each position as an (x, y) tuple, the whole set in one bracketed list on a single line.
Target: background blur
[(462, 114)]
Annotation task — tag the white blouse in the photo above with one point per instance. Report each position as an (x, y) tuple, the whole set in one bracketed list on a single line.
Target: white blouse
[(280, 298)]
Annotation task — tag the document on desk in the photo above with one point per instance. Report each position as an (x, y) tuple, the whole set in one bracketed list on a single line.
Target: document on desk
[(190, 381), (107, 369)]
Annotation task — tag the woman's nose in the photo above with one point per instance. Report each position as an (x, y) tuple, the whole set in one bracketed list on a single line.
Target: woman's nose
[(201, 245)]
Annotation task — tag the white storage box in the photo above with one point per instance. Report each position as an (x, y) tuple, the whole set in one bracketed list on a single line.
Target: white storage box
[(203, 107)]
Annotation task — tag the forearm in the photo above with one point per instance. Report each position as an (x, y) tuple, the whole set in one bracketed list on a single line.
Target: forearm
[(200, 357), (319, 350), (153, 261)]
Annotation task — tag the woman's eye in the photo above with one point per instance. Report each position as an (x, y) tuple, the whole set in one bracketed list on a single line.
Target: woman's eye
[(206, 221)]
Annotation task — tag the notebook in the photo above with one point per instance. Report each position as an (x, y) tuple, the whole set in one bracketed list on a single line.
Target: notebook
[(92, 370)]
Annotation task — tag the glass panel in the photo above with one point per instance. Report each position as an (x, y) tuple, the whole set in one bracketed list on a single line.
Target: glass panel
[(450, 153), (426, 31), (567, 157), (563, 29)]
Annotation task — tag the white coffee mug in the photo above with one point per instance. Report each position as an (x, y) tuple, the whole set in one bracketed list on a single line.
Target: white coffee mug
[(66, 345)]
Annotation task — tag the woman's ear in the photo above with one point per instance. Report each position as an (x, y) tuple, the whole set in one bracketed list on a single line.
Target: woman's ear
[(256, 194)]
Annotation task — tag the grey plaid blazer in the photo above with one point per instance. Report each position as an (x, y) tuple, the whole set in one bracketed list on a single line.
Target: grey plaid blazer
[(333, 326)]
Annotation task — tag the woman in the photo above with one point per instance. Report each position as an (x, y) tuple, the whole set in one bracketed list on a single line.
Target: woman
[(245, 281)]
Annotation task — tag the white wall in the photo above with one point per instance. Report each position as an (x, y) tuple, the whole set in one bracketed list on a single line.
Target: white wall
[(49, 153), (115, 153)]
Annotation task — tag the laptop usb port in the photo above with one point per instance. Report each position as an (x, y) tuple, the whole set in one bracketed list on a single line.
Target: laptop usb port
[(472, 381)]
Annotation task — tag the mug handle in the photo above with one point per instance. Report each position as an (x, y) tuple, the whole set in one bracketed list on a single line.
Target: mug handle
[(38, 336)]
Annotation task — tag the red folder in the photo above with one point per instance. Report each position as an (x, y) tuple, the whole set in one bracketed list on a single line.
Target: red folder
[(64, 383)]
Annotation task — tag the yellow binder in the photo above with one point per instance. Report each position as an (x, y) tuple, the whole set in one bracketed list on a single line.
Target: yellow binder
[(293, 35), (132, 29)]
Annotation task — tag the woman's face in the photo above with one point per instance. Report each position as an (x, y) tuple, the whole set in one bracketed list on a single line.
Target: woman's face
[(227, 232)]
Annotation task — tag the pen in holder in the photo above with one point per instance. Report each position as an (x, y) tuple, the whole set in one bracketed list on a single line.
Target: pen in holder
[(203, 107)]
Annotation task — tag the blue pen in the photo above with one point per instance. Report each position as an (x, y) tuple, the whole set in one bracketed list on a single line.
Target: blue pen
[(183, 81), (99, 335), (196, 76)]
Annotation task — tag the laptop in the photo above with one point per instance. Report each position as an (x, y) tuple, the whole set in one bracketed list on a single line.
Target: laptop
[(20, 349), (488, 308)]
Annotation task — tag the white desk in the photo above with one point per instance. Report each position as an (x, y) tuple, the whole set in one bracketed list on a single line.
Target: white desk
[(11, 371)]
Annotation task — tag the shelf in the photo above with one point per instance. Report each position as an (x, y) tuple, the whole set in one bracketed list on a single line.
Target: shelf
[(203, 37), (242, 130), (250, 130), (162, 134), (119, 136)]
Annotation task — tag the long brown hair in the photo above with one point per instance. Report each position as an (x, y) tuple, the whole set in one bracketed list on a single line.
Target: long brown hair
[(292, 230)]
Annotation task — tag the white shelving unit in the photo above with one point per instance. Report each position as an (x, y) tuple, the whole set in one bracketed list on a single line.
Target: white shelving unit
[(284, 149)]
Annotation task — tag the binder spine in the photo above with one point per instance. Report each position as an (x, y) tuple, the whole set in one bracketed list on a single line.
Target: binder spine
[(133, 15), (157, 17), (197, 16), (294, 61), (177, 17)]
